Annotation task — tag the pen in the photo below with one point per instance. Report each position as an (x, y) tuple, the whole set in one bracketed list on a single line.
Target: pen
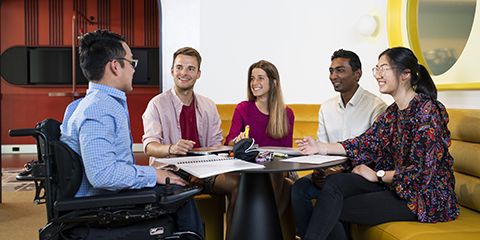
[(247, 130), (282, 155)]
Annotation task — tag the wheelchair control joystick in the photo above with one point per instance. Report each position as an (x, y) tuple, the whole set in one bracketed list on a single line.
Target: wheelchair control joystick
[(175, 197), (168, 187)]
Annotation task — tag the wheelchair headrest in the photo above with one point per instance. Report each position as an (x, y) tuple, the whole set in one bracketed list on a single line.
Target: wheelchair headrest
[(51, 128), (69, 168)]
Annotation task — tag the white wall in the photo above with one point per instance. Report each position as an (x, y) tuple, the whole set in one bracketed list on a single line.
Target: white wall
[(180, 28), (297, 36)]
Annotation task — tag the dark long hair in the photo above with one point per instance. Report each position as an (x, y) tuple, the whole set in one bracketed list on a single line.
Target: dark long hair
[(402, 59)]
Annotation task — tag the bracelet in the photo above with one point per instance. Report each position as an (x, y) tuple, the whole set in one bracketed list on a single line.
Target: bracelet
[(170, 147)]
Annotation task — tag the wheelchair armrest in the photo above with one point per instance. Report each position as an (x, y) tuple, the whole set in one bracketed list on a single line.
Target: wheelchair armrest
[(170, 201), (178, 197), (110, 200)]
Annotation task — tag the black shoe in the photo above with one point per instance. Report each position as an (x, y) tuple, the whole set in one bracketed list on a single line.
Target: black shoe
[(27, 169)]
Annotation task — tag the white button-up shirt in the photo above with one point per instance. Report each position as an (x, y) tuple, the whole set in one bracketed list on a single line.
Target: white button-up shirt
[(337, 122)]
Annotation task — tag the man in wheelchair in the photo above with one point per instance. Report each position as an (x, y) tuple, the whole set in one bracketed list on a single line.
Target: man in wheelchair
[(97, 127)]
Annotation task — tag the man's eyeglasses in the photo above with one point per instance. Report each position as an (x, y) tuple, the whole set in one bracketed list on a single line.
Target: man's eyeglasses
[(381, 70), (133, 62)]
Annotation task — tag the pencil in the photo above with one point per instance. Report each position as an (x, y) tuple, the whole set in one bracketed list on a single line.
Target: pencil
[(247, 130)]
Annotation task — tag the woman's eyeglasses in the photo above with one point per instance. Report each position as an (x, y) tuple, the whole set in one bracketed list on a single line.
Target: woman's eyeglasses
[(380, 70)]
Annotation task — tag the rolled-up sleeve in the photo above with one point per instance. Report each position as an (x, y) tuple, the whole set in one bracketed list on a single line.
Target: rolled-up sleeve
[(152, 125)]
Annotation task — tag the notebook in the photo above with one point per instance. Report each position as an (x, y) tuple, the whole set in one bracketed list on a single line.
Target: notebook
[(210, 150), (206, 166)]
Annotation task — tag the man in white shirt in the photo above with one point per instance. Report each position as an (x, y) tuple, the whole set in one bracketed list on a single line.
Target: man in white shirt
[(344, 116)]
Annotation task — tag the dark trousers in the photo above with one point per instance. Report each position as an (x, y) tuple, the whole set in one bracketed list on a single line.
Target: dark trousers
[(302, 194), (350, 198), (187, 217)]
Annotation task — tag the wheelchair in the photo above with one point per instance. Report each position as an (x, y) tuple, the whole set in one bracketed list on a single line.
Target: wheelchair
[(57, 174)]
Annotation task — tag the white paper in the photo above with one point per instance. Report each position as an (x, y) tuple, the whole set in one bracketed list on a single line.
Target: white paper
[(314, 159)]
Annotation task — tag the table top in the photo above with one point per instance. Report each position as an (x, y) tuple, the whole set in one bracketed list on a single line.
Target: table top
[(281, 166)]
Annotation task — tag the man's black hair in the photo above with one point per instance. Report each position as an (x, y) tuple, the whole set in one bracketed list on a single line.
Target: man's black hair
[(354, 60), (97, 49)]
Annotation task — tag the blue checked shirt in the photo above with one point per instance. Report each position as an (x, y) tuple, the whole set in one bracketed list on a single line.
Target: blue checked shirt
[(98, 128)]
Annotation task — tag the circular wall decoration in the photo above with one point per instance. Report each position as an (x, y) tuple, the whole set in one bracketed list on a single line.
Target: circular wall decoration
[(445, 36)]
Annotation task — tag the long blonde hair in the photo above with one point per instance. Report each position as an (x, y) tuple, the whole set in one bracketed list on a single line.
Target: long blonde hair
[(278, 122)]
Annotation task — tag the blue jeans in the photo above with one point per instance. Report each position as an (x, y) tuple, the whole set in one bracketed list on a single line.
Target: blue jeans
[(303, 191)]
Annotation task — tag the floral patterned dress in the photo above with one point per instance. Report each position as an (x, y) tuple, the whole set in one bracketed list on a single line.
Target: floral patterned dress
[(414, 142)]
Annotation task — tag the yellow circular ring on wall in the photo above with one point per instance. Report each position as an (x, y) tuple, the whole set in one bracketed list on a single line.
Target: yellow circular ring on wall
[(412, 29), (402, 30), (394, 23)]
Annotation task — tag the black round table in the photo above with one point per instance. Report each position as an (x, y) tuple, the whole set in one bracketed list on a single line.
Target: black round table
[(255, 215)]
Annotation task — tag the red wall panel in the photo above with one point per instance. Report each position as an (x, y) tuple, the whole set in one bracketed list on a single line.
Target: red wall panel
[(24, 106), (43, 23), (115, 17), (67, 22), (138, 23), (13, 24)]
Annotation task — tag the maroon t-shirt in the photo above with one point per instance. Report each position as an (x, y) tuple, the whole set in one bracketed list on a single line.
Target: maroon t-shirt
[(188, 123)]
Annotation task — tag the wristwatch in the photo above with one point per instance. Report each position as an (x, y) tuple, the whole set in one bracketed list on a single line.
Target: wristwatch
[(380, 175)]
